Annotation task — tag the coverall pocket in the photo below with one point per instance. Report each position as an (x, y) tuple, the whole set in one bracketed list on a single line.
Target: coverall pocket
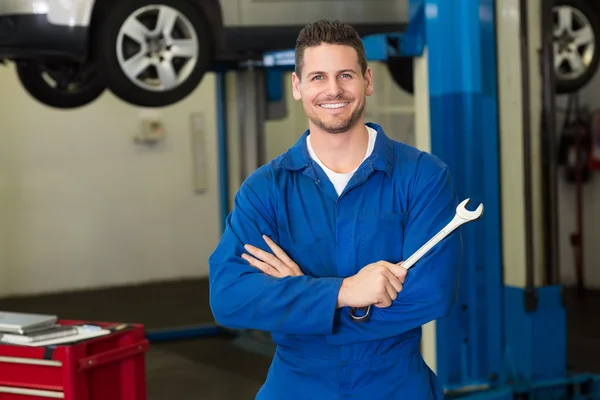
[(381, 236), (400, 377)]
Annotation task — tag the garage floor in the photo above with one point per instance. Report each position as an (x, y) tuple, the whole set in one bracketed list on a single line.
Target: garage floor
[(214, 368), (208, 368)]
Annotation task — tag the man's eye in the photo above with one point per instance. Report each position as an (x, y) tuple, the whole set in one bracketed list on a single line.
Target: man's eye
[(317, 77), (346, 76)]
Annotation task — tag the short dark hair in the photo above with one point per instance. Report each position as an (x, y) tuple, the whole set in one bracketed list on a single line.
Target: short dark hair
[(329, 32)]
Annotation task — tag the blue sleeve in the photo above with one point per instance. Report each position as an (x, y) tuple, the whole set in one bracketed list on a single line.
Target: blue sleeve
[(431, 285), (243, 297)]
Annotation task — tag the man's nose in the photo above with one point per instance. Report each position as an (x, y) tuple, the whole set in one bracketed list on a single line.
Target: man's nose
[(334, 88)]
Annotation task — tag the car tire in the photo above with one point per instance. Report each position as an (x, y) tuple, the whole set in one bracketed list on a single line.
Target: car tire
[(575, 66), (75, 85), (114, 45), (401, 70)]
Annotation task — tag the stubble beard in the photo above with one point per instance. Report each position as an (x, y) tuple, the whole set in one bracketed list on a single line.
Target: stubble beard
[(341, 125)]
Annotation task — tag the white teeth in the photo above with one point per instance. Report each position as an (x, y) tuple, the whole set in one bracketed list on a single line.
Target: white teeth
[(336, 105)]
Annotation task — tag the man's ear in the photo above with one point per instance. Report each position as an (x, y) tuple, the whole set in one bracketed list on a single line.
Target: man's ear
[(368, 82), (296, 86)]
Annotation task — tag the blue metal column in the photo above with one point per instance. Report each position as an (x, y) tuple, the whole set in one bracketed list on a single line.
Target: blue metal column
[(460, 41), (222, 146)]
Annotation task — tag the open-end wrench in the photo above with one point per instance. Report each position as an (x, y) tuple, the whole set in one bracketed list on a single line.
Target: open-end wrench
[(462, 216)]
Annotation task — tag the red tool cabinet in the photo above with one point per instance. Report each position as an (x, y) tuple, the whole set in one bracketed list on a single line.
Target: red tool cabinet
[(110, 367)]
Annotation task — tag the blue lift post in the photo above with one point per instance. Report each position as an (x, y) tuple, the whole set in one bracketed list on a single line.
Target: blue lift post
[(490, 340), (464, 134)]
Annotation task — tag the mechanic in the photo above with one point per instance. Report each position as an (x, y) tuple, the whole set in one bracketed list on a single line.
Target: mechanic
[(322, 228)]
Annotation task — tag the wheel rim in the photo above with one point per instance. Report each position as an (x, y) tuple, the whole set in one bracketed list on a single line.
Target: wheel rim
[(574, 42), (157, 48)]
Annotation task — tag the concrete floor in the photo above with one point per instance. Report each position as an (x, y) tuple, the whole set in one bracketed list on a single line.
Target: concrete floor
[(214, 368)]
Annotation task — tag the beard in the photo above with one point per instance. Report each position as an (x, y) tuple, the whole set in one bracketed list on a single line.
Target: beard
[(339, 124)]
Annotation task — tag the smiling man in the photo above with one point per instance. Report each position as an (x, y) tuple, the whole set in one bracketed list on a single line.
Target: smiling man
[(322, 228)]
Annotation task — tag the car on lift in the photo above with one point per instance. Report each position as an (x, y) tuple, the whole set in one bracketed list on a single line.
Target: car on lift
[(154, 53)]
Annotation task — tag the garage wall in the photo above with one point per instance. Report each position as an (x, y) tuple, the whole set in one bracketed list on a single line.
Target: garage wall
[(82, 205), (590, 95)]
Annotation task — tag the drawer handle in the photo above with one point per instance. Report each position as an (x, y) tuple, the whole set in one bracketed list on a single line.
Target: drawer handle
[(30, 361), (113, 355), (32, 392)]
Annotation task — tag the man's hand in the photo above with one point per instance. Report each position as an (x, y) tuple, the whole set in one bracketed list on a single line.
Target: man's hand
[(376, 284), (278, 264)]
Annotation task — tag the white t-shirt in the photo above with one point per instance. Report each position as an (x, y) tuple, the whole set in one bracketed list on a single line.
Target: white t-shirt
[(341, 180)]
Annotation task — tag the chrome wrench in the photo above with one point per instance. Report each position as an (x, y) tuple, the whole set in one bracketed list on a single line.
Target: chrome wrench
[(461, 217)]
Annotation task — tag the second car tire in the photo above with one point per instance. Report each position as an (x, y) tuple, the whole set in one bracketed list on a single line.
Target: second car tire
[(75, 85), (109, 41), (582, 16)]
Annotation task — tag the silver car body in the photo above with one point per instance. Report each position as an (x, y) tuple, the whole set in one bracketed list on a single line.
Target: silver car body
[(236, 13), (300, 12), (59, 12)]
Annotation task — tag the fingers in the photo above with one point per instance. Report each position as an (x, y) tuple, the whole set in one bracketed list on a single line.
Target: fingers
[(280, 262), (266, 257), (395, 282), (391, 291), (386, 298), (383, 304), (385, 290), (400, 272), (397, 269), (281, 255), (263, 266), (386, 279), (391, 285)]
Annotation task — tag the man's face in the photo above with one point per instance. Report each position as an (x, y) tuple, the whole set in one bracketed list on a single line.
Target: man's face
[(332, 88)]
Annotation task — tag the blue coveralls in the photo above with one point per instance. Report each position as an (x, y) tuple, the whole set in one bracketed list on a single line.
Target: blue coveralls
[(395, 202)]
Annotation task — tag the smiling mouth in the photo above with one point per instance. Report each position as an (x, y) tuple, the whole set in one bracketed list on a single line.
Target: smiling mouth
[(332, 106)]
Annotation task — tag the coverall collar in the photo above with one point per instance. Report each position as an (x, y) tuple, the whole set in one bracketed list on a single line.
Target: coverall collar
[(382, 158)]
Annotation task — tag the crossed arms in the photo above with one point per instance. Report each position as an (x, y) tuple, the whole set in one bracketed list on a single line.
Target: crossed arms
[(260, 287)]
